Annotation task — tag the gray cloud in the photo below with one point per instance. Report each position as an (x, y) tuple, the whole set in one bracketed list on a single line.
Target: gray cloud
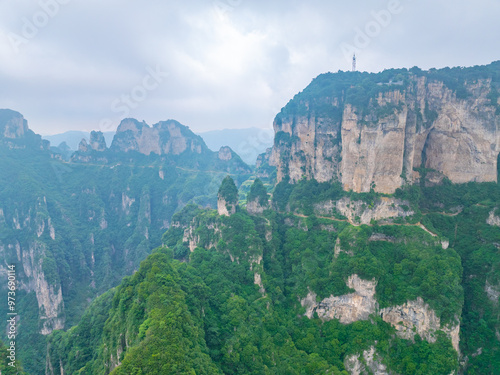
[(230, 63)]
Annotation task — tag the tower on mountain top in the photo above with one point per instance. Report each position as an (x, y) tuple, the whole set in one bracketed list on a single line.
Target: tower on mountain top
[(354, 62)]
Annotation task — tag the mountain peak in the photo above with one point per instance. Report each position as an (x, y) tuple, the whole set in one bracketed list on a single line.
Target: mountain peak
[(12, 124), (164, 137), (15, 133)]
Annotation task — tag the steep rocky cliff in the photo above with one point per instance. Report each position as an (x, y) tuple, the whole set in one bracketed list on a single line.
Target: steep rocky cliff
[(347, 308), (165, 137), (409, 319), (371, 131), (14, 132), (74, 229)]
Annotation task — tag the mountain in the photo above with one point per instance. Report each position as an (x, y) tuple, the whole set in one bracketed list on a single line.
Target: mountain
[(343, 270), (73, 138), (374, 130), (75, 229), (279, 292), (248, 143), (377, 251)]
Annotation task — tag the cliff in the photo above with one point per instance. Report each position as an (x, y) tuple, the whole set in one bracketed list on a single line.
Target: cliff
[(165, 137), (14, 132), (373, 130)]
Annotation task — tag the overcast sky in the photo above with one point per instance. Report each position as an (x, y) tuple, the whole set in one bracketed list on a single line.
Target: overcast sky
[(86, 64)]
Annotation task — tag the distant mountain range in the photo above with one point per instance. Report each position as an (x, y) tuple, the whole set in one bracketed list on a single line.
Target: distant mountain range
[(74, 137), (247, 143)]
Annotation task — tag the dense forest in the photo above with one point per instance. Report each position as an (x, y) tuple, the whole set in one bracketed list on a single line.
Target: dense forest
[(204, 312)]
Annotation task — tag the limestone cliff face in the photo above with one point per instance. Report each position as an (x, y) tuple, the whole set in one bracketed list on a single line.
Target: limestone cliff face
[(225, 153), (12, 124), (378, 143), (255, 208), (49, 297), (14, 132), (493, 219), (347, 308), (166, 137), (96, 143), (357, 212), (31, 257), (366, 362), (413, 317), (224, 208)]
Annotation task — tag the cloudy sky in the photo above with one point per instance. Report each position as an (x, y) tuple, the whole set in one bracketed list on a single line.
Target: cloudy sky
[(214, 64)]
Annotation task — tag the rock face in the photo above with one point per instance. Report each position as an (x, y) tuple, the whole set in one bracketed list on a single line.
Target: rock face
[(225, 208), (413, 317), (254, 207), (166, 137), (348, 308), (14, 132), (365, 363), (357, 212), (225, 153), (49, 297), (97, 141), (378, 144), (227, 197), (493, 219), (12, 124)]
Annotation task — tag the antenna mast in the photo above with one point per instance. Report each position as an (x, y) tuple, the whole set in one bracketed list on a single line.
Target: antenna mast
[(354, 62)]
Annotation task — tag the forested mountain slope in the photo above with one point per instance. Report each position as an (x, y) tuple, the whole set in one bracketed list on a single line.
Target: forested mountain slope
[(294, 293), (75, 229)]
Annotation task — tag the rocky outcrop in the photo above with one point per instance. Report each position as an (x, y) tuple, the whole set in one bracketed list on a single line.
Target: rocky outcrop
[(166, 137), (257, 198), (377, 145), (358, 212), (225, 153), (91, 151), (12, 124), (254, 207), (49, 296), (97, 141), (416, 317), (409, 319), (14, 132), (225, 208), (367, 362), (493, 219), (227, 197), (347, 308)]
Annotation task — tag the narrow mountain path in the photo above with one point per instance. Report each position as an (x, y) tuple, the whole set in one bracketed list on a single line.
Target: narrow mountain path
[(420, 225)]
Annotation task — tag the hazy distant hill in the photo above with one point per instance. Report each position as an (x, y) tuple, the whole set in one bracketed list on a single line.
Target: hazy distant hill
[(247, 143), (73, 138)]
